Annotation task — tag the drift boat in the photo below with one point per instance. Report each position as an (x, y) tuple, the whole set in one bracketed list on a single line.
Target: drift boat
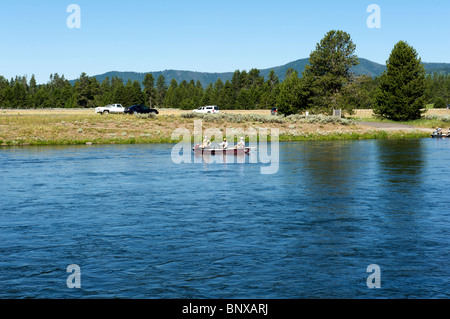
[(440, 136), (214, 151)]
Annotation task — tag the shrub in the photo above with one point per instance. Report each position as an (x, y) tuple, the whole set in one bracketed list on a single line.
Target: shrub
[(444, 118), (440, 103), (244, 118), (146, 116)]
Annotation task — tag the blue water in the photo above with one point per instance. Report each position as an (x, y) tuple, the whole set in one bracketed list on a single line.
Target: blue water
[(140, 226)]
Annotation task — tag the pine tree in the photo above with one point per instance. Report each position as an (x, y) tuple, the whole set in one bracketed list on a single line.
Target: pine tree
[(117, 89), (41, 98), (401, 94), (137, 96), (171, 100), (329, 70), (218, 87), (149, 88), (208, 96), (105, 92), (440, 103), (161, 90), (4, 87), (19, 95), (359, 93), (226, 97), (291, 97), (83, 89), (270, 91), (33, 86)]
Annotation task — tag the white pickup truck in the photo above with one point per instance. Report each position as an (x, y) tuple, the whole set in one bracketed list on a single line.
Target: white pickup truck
[(111, 108), (207, 109)]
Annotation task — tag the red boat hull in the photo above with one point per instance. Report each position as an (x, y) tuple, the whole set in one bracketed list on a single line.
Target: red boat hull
[(212, 151)]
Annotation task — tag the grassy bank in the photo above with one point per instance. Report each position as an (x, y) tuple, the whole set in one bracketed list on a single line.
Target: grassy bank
[(74, 127), (427, 121), (431, 118)]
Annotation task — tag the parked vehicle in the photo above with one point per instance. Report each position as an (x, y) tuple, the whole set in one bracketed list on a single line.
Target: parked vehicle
[(448, 106), (274, 111), (110, 108), (208, 109), (140, 109)]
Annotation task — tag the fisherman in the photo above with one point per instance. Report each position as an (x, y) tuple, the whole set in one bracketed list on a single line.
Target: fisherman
[(438, 131), (241, 144), (224, 144), (206, 142)]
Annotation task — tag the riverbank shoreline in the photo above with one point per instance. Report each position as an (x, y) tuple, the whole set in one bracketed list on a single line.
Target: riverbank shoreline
[(83, 126)]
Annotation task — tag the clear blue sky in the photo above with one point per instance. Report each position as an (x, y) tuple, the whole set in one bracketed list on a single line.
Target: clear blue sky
[(205, 35)]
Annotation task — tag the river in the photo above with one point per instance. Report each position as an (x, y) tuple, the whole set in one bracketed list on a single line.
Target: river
[(139, 225)]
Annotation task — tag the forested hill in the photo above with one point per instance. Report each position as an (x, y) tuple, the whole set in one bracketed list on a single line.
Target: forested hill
[(365, 67)]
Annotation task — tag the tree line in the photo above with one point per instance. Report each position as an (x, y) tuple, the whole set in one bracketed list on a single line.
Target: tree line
[(325, 84), (246, 90)]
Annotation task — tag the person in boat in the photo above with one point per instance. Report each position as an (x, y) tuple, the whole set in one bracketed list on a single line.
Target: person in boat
[(241, 144), (438, 131), (224, 144), (206, 142)]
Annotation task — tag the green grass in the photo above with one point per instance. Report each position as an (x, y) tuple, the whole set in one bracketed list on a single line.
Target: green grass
[(69, 129), (257, 118), (427, 121), (334, 136)]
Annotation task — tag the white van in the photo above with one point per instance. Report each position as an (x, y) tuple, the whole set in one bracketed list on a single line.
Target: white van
[(207, 109)]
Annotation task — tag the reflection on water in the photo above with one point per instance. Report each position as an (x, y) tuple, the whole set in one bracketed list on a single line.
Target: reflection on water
[(141, 226)]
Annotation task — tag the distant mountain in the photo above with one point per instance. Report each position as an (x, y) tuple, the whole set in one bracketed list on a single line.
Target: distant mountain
[(365, 67), (204, 77), (439, 68)]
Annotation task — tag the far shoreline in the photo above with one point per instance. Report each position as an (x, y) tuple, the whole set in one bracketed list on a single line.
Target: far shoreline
[(22, 127)]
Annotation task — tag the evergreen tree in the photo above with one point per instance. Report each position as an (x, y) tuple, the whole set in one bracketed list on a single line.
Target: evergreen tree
[(68, 95), (171, 100), (208, 96), (272, 79), (401, 95), (137, 96), (117, 89), (438, 86), (329, 70), (288, 73), (86, 89), (33, 86), (359, 93), (130, 94), (292, 95), (41, 98), (19, 94), (4, 92), (218, 87), (161, 90), (105, 95), (440, 103), (244, 100), (270, 91), (149, 89), (226, 97)]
